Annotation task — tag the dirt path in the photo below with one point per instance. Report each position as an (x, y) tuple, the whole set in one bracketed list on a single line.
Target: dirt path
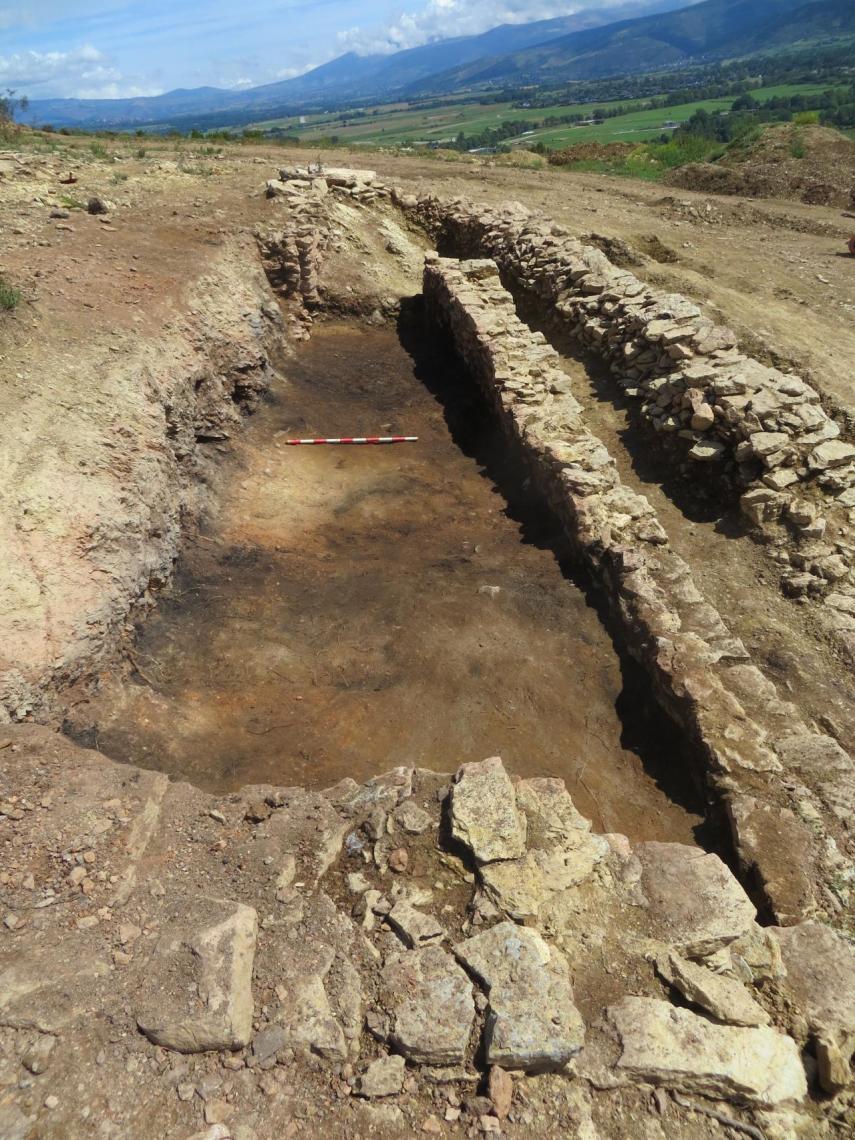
[(353, 609)]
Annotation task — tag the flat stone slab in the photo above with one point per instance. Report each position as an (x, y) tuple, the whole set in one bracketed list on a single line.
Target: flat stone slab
[(430, 1005), (696, 904), (677, 1049), (307, 1015), (820, 969), (725, 999), (198, 990), (414, 927), (521, 887), (484, 815), (311, 1010), (532, 1021), (49, 984), (383, 1077)]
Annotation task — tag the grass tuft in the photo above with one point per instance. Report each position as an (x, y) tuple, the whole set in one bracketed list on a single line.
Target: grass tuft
[(10, 297)]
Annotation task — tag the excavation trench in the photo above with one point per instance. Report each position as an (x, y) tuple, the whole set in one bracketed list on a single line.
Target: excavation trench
[(346, 610)]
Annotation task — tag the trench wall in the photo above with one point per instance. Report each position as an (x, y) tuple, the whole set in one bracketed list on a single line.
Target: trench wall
[(761, 432), (759, 756), (108, 471)]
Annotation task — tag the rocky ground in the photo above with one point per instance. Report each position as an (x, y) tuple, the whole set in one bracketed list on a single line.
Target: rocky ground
[(422, 952), (425, 953)]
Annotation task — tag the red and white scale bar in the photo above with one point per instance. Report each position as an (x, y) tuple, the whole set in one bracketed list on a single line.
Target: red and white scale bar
[(356, 439)]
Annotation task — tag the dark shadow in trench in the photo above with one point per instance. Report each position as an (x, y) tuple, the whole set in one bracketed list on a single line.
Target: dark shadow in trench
[(646, 729)]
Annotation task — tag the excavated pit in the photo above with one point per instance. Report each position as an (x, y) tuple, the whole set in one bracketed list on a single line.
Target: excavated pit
[(350, 609)]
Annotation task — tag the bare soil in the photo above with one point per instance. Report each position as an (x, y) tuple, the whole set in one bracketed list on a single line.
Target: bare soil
[(348, 609), (810, 164)]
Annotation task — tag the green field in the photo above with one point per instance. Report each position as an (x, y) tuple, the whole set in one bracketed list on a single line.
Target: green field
[(402, 124)]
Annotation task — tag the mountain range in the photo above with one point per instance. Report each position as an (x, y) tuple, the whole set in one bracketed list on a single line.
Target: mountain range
[(585, 45)]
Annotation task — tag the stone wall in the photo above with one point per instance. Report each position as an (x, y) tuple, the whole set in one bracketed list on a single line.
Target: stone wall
[(774, 777), (724, 415)]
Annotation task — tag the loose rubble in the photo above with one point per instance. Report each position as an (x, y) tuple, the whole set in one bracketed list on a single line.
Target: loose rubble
[(179, 1011)]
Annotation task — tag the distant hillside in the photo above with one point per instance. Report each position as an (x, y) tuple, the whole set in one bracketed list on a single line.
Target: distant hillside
[(349, 77), (586, 45), (714, 29)]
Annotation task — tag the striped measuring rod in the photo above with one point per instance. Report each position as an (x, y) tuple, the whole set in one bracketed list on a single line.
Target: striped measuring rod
[(356, 439)]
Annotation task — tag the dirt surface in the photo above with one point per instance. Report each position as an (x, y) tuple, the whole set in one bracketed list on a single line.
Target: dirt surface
[(348, 609), (776, 272), (809, 164), (332, 613)]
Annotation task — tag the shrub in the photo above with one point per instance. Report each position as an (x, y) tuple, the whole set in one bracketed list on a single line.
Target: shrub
[(10, 297)]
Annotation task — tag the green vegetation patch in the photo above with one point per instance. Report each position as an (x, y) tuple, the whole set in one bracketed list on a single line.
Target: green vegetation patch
[(10, 297)]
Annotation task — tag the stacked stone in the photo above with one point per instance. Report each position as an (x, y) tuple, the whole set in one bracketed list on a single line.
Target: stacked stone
[(512, 941), (702, 675), (295, 182), (761, 430)]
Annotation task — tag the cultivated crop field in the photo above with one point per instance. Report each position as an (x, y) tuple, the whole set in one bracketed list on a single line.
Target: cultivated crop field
[(399, 124)]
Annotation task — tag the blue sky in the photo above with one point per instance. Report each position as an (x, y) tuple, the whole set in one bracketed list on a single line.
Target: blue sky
[(118, 48)]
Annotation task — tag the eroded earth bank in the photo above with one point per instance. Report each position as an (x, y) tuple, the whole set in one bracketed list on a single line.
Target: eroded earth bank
[(258, 877)]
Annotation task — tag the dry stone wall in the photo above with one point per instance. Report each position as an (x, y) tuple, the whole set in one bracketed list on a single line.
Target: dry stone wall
[(727, 416), (279, 962), (774, 777)]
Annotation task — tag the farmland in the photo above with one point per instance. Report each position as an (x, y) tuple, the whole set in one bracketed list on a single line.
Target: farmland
[(402, 124)]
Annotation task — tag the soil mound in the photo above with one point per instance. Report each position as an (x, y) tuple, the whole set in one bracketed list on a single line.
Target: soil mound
[(591, 151), (808, 164)]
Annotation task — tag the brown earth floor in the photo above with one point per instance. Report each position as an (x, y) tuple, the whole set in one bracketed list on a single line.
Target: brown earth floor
[(351, 609), (773, 270)]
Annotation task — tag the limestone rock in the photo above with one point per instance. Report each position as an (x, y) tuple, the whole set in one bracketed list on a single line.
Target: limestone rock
[(500, 1089), (383, 1077), (307, 1016), (820, 968), (696, 905), (725, 999), (522, 886), (429, 1001), (832, 453), (412, 818), (415, 928), (782, 850), (484, 813), (678, 1049), (198, 990), (532, 1021), (48, 985), (551, 815)]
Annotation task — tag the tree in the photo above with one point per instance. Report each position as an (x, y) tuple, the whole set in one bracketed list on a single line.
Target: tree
[(9, 105)]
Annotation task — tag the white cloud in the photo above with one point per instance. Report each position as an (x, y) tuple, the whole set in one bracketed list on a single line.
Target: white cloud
[(240, 84), (82, 73), (293, 72), (444, 19)]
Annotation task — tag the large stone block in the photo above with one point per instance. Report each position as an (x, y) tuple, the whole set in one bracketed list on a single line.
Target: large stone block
[(198, 990), (532, 1020), (677, 1049)]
